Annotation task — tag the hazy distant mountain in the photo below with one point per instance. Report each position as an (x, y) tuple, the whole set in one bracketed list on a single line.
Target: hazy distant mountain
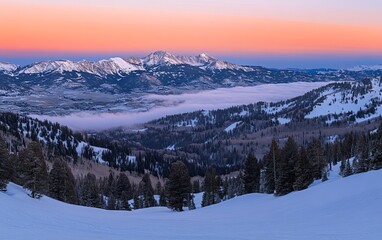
[(160, 72)]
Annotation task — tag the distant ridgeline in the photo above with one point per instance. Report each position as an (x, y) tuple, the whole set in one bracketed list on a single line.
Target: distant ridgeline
[(159, 71)]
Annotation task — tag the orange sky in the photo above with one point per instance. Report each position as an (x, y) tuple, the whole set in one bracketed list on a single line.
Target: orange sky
[(99, 28)]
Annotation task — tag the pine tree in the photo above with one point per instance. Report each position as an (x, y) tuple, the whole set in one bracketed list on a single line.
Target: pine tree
[(123, 185), (376, 161), (89, 194), (136, 201), (111, 202), (158, 188), (62, 185), (211, 188), (361, 162), (303, 171), (124, 202), (190, 201), (316, 156), (195, 186), (178, 186), (111, 185), (286, 176), (4, 165), (33, 175), (273, 157), (146, 192), (251, 174), (348, 169), (162, 198)]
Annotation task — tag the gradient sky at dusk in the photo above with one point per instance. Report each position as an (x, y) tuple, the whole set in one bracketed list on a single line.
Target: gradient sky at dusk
[(274, 33)]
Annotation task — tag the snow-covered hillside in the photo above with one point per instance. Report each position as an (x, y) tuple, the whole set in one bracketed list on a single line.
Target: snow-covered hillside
[(339, 102), (341, 208), (7, 67)]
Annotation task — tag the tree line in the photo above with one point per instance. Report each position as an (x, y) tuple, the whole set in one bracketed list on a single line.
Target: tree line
[(280, 171)]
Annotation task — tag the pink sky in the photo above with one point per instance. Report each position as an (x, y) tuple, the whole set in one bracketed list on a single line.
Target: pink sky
[(217, 27)]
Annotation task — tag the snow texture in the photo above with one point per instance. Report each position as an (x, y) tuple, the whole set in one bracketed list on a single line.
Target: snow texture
[(341, 208), (231, 127), (335, 102), (7, 67)]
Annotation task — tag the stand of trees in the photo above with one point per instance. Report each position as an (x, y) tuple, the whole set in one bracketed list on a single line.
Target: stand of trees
[(281, 171)]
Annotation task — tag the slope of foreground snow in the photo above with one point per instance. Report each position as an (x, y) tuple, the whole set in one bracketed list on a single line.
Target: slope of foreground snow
[(342, 208)]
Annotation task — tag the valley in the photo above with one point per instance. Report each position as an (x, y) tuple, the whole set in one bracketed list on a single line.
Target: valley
[(62, 87)]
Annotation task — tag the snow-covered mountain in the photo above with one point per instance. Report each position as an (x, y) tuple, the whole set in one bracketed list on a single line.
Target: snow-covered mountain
[(161, 58), (159, 72), (101, 68), (123, 65), (340, 208), (8, 67), (366, 68)]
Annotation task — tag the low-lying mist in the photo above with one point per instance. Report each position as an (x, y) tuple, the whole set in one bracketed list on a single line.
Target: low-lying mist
[(188, 102)]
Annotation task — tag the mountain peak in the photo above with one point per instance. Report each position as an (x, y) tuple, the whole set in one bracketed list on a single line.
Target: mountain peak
[(8, 67), (159, 58), (203, 57)]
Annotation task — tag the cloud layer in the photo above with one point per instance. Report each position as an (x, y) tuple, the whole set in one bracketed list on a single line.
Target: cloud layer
[(175, 104)]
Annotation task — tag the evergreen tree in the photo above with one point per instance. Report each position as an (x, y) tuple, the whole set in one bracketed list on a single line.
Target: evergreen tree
[(272, 157), (111, 202), (251, 174), (33, 173), (303, 171), (361, 162), (136, 201), (146, 192), (124, 202), (286, 176), (196, 186), (123, 185), (376, 162), (111, 185), (89, 194), (62, 185), (348, 169), (4, 165), (158, 188), (162, 198), (211, 188), (178, 186), (190, 201), (316, 156)]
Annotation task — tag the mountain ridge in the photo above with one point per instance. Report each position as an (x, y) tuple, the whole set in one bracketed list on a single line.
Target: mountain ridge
[(124, 65), (129, 64)]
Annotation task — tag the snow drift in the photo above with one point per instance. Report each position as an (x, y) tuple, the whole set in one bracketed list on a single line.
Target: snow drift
[(341, 208)]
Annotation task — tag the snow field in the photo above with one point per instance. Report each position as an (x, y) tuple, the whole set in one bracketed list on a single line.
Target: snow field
[(340, 208)]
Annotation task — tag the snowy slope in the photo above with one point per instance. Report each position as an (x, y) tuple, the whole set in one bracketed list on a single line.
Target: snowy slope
[(231, 127), (7, 67), (337, 102), (341, 208), (102, 67)]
